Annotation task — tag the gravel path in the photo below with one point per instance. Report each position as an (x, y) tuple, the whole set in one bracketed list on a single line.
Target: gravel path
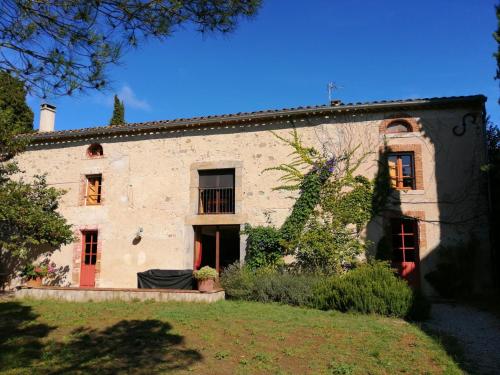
[(478, 333)]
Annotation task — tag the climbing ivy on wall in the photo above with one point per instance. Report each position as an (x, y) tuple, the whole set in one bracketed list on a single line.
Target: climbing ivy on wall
[(310, 192), (332, 207)]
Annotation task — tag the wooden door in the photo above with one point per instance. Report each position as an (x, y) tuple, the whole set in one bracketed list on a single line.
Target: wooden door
[(89, 259), (405, 251)]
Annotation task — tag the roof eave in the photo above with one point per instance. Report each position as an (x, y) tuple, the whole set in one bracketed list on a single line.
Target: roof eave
[(257, 116)]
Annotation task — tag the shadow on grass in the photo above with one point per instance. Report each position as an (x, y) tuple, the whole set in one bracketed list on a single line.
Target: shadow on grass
[(138, 346), (129, 345), (20, 335), (452, 347)]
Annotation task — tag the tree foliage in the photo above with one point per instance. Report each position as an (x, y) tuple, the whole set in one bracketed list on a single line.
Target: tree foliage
[(29, 221), (493, 169), (15, 116), (118, 116), (263, 247), (61, 46), (496, 35), (28, 217)]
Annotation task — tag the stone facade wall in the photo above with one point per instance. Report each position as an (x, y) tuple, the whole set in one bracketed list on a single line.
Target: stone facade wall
[(150, 181)]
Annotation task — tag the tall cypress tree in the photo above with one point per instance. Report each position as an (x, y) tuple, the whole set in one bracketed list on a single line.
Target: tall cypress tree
[(122, 109), (118, 117)]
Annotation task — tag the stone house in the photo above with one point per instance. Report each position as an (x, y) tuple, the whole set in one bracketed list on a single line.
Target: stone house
[(174, 194)]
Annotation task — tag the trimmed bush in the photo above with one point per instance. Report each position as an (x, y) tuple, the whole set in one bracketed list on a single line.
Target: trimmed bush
[(370, 288), (284, 287), (269, 285), (238, 281)]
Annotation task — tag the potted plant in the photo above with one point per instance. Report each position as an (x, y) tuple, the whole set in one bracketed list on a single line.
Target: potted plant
[(206, 278), (34, 273)]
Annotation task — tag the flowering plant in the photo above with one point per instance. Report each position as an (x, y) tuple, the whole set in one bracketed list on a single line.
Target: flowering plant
[(32, 271), (205, 273)]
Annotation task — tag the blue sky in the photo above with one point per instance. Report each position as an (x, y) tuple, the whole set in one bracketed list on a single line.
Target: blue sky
[(285, 57)]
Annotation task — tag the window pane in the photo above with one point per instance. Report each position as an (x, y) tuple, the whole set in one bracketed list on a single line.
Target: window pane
[(87, 259), (216, 178), (408, 226), (87, 248), (410, 255), (408, 182), (94, 248), (407, 170), (397, 127), (404, 238), (93, 259), (409, 240), (397, 255), (406, 159)]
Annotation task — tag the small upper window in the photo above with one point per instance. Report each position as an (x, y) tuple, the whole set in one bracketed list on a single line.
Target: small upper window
[(95, 150), (398, 127), (216, 191), (401, 171), (93, 189)]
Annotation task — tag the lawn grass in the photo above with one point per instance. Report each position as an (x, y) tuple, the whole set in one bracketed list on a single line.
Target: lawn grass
[(227, 337)]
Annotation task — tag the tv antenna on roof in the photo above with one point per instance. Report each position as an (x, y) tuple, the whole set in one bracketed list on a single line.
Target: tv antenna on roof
[(332, 86)]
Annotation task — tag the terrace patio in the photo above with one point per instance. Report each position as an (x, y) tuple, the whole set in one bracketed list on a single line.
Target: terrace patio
[(118, 294)]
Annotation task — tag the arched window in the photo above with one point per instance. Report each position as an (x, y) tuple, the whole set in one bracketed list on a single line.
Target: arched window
[(95, 150), (398, 127)]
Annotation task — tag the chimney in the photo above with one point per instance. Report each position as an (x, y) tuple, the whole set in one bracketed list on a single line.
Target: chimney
[(335, 102), (47, 118)]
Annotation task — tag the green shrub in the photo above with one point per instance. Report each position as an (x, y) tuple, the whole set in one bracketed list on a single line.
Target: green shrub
[(263, 246), (238, 281), (370, 288), (284, 287), (327, 248), (269, 285)]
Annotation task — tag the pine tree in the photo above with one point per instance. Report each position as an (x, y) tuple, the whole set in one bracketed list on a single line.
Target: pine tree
[(65, 46), (118, 116)]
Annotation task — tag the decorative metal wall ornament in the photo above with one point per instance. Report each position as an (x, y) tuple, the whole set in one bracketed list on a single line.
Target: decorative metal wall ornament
[(468, 119)]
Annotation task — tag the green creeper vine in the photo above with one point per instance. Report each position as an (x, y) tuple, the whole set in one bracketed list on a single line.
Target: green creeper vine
[(307, 172), (323, 228)]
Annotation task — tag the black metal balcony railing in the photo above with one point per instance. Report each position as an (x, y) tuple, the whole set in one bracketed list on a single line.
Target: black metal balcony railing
[(216, 201)]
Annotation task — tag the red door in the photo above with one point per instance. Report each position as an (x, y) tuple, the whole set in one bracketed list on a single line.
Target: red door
[(89, 259), (405, 249)]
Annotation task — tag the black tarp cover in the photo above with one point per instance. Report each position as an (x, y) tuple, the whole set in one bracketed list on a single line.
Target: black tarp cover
[(165, 279)]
